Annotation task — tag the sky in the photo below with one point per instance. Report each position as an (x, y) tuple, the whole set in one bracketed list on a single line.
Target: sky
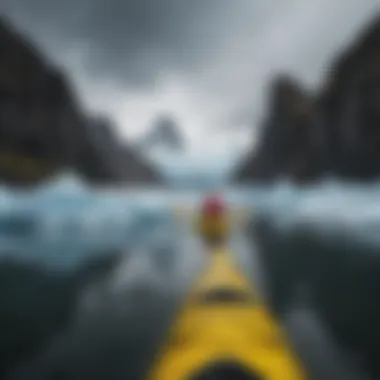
[(207, 62)]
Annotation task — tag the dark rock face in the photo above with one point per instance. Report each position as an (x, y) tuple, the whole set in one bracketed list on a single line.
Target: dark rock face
[(333, 132), (36, 305), (165, 134), (351, 107), (43, 128), (288, 143), (113, 159)]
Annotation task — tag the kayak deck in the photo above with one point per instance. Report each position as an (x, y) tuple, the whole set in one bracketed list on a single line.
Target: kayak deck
[(223, 320)]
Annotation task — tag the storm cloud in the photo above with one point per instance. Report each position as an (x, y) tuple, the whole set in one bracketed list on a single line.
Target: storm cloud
[(134, 41), (209, 62)]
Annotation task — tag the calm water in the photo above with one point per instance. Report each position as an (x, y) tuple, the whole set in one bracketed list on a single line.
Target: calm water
[(63, 225)]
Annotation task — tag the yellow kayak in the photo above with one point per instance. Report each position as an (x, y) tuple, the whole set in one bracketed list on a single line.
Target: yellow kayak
[(223, 322)]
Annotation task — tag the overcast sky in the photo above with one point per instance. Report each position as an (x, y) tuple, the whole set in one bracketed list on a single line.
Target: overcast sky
[(206, 61)]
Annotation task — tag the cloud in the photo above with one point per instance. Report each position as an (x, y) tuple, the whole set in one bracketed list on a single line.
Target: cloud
[(131, 41), (208, 62)]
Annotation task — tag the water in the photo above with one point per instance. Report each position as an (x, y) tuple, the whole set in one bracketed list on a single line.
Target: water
[(61, 226)]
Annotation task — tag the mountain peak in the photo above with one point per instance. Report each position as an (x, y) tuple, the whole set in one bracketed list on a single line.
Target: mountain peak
[(164, 134)]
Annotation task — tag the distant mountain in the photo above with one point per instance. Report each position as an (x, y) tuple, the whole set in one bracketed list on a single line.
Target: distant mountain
[(307, 136), (44, 129), (165, 135)]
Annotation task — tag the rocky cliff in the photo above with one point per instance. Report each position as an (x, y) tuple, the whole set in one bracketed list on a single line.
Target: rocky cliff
[(288, 144), (330, 133), (43, 128)]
